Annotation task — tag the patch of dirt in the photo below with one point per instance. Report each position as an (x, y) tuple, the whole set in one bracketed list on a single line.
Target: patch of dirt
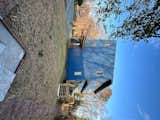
[(6, 6), (39, 25), (17, 109)]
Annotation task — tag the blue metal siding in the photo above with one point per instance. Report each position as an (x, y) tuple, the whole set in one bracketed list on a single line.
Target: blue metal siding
[(91, 59), (75, 63)]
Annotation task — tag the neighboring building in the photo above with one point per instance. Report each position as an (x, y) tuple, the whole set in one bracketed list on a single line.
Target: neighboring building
[(11, 53), (91, 64)]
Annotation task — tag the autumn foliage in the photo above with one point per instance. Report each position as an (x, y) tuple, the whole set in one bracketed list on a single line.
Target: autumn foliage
[(84, 24)]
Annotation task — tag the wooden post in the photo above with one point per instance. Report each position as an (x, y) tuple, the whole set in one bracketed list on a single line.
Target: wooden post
[(104, 85), (84, 86)]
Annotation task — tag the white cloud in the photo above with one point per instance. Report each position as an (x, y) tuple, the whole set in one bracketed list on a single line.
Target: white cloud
[(143, 115)]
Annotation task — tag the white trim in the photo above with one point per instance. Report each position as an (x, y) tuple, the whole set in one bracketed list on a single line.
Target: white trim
[(58, 90)]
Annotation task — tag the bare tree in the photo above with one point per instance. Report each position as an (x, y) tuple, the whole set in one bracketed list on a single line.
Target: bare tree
[(143, 21)]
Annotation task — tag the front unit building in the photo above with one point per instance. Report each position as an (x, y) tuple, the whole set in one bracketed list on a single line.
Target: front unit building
[(93, 65)]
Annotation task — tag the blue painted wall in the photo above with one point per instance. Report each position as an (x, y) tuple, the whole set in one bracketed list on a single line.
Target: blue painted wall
[(95, 56)]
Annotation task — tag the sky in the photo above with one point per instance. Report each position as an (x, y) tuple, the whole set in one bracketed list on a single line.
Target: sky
[(136, 91)]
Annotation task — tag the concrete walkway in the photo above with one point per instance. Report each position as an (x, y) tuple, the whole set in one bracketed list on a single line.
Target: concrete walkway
[(11, 54)]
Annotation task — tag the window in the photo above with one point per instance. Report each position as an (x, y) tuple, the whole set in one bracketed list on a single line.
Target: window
[(76, 44), (99, 73), (77, 73), (107, 44)]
